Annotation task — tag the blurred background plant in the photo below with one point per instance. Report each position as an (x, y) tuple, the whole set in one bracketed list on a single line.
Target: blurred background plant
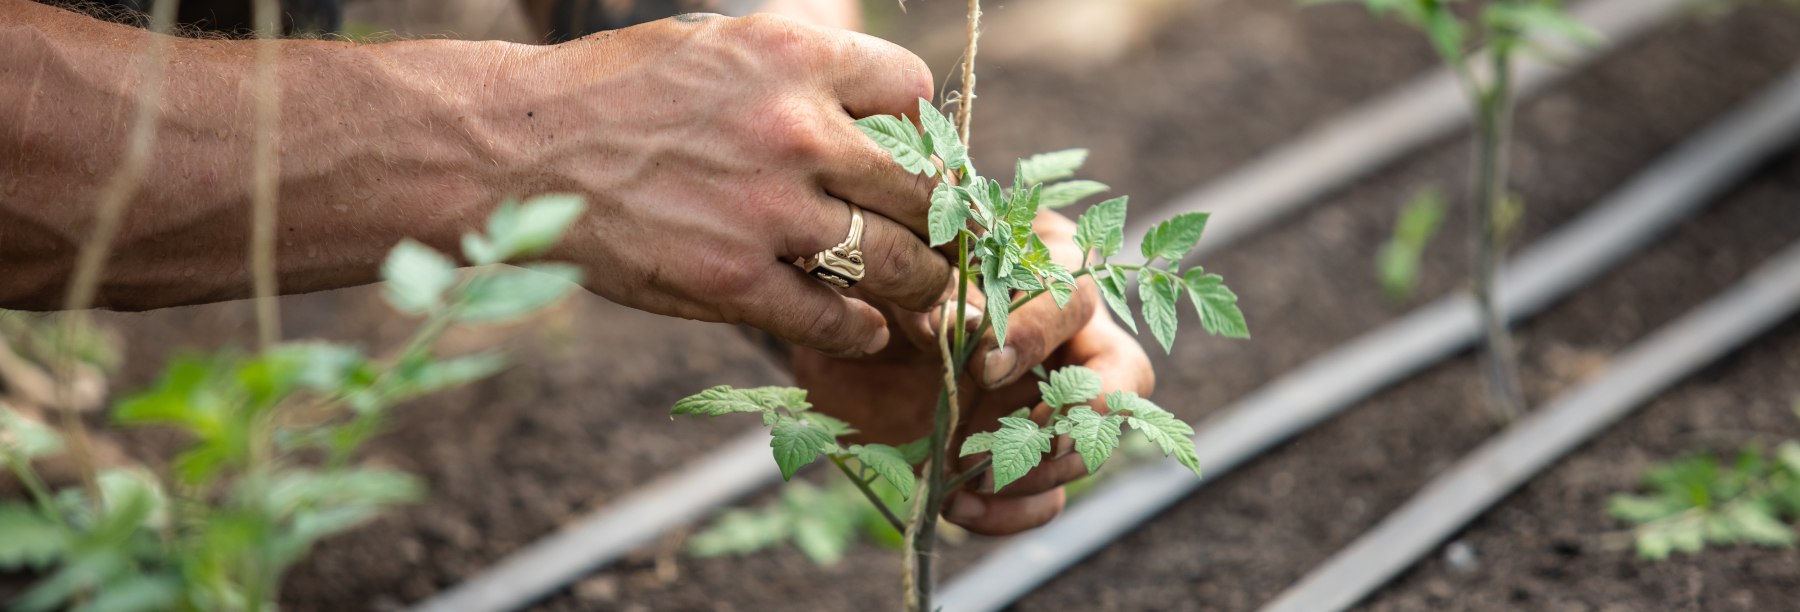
[(270, 466)]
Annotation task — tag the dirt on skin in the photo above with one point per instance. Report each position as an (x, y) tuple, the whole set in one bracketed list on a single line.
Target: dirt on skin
[(581, 420)]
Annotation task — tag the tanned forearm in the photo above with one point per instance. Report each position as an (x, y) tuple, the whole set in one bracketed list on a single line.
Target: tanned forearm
[(375, 144)]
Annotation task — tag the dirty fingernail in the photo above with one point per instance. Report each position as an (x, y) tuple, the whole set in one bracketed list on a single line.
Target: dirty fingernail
[(877, 342), (999, 364), (966, 508)]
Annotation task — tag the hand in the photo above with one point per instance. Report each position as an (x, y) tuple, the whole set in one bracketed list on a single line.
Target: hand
[(716, 151), (890, 396)]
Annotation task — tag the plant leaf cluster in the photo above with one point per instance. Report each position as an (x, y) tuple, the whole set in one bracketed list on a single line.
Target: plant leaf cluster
[(1698, 500), (269, 468), (1503, 25)]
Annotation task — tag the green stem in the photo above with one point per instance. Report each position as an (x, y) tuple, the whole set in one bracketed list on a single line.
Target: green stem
[(1490, 188), (863, 485), (40, 493), (971, 474)]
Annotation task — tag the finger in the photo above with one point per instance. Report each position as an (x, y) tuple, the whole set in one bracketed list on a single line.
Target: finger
[(1032, 333), (1105, 348), (897, 267), (804, 311), (860, 172), (997, 516), (877, 77)]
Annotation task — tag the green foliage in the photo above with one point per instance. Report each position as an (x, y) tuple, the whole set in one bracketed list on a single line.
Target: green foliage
[(822, 523), (1696, 501), (1397, 264), (252, 492)]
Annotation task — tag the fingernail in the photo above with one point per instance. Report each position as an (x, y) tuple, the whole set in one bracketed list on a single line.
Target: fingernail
[(966, 508), (878, 341), (999, 364)]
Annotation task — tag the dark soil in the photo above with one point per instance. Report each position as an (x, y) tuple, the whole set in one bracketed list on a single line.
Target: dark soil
[(581, 420)]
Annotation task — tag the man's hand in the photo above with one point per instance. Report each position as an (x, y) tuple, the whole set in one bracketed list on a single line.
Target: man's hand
[(889, 396), (715, 152)]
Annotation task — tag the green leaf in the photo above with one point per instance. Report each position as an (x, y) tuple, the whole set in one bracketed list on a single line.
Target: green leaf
[(1644, 509), (29, 540), (1216, 304), (1788, 455), (1397, 264), (724, 399), (823, 530), (1112, 288), (797, 443), (530, 229), (136, 594), (1069, 386), (1095, 436), (25, 438), (428, 376), (977, 443), (916, 451), (740, 532), (510, 293), (1756, 523), (1102, 227), (416, 277), (1538, 19), (1022, 208), (999, 307), (830, 424), (948, 215), (1172, 239), (1158, 292), (949, 147), (1018, 447), (1171, 435), (1058, 195), (1056, 165), (900, 140), (889, 463)]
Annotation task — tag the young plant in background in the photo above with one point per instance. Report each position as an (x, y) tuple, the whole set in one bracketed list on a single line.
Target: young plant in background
[(1505, 27), (1697, 501), (270, 467), (1397, 264), (990, 225)]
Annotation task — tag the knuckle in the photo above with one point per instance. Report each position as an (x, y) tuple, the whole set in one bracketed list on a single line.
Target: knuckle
[(780, 37), (786, 130), (827, 328), (728, 278)]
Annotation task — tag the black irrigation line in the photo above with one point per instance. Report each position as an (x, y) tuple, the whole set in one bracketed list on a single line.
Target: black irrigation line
[(1283, 181), (1658, 197), (1674, 352)]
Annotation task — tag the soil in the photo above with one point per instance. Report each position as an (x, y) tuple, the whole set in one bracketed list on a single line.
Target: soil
[(581, 420)]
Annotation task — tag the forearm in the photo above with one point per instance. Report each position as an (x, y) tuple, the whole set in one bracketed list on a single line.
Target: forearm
[(376, 143)]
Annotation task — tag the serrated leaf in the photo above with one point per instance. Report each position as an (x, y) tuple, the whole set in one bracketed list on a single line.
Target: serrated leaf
[(417, 277), (510, 293), (1172, 239), (1095, 436), (823, 527), (1172, 435), (947, 145), (1018, 447), (977, 443), (1069, 386), (1756, 524), (900, 140), (889, 463), (719, 400), (1022, 207), (999, 307), (430, 376), (1216, 305), (1159, 295), (830, 424), (1643, 509), (1102, 227), (1058, 195), (948, 215), (797, 443), (1055, 165), (916, 451), (1112, 288)]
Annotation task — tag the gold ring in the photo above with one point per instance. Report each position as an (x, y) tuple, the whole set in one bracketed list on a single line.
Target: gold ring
[(840, 266)]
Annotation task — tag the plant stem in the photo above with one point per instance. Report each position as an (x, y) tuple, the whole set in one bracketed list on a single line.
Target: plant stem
[(863, 485), (1495, 110), (263, 176), (971, 474)]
